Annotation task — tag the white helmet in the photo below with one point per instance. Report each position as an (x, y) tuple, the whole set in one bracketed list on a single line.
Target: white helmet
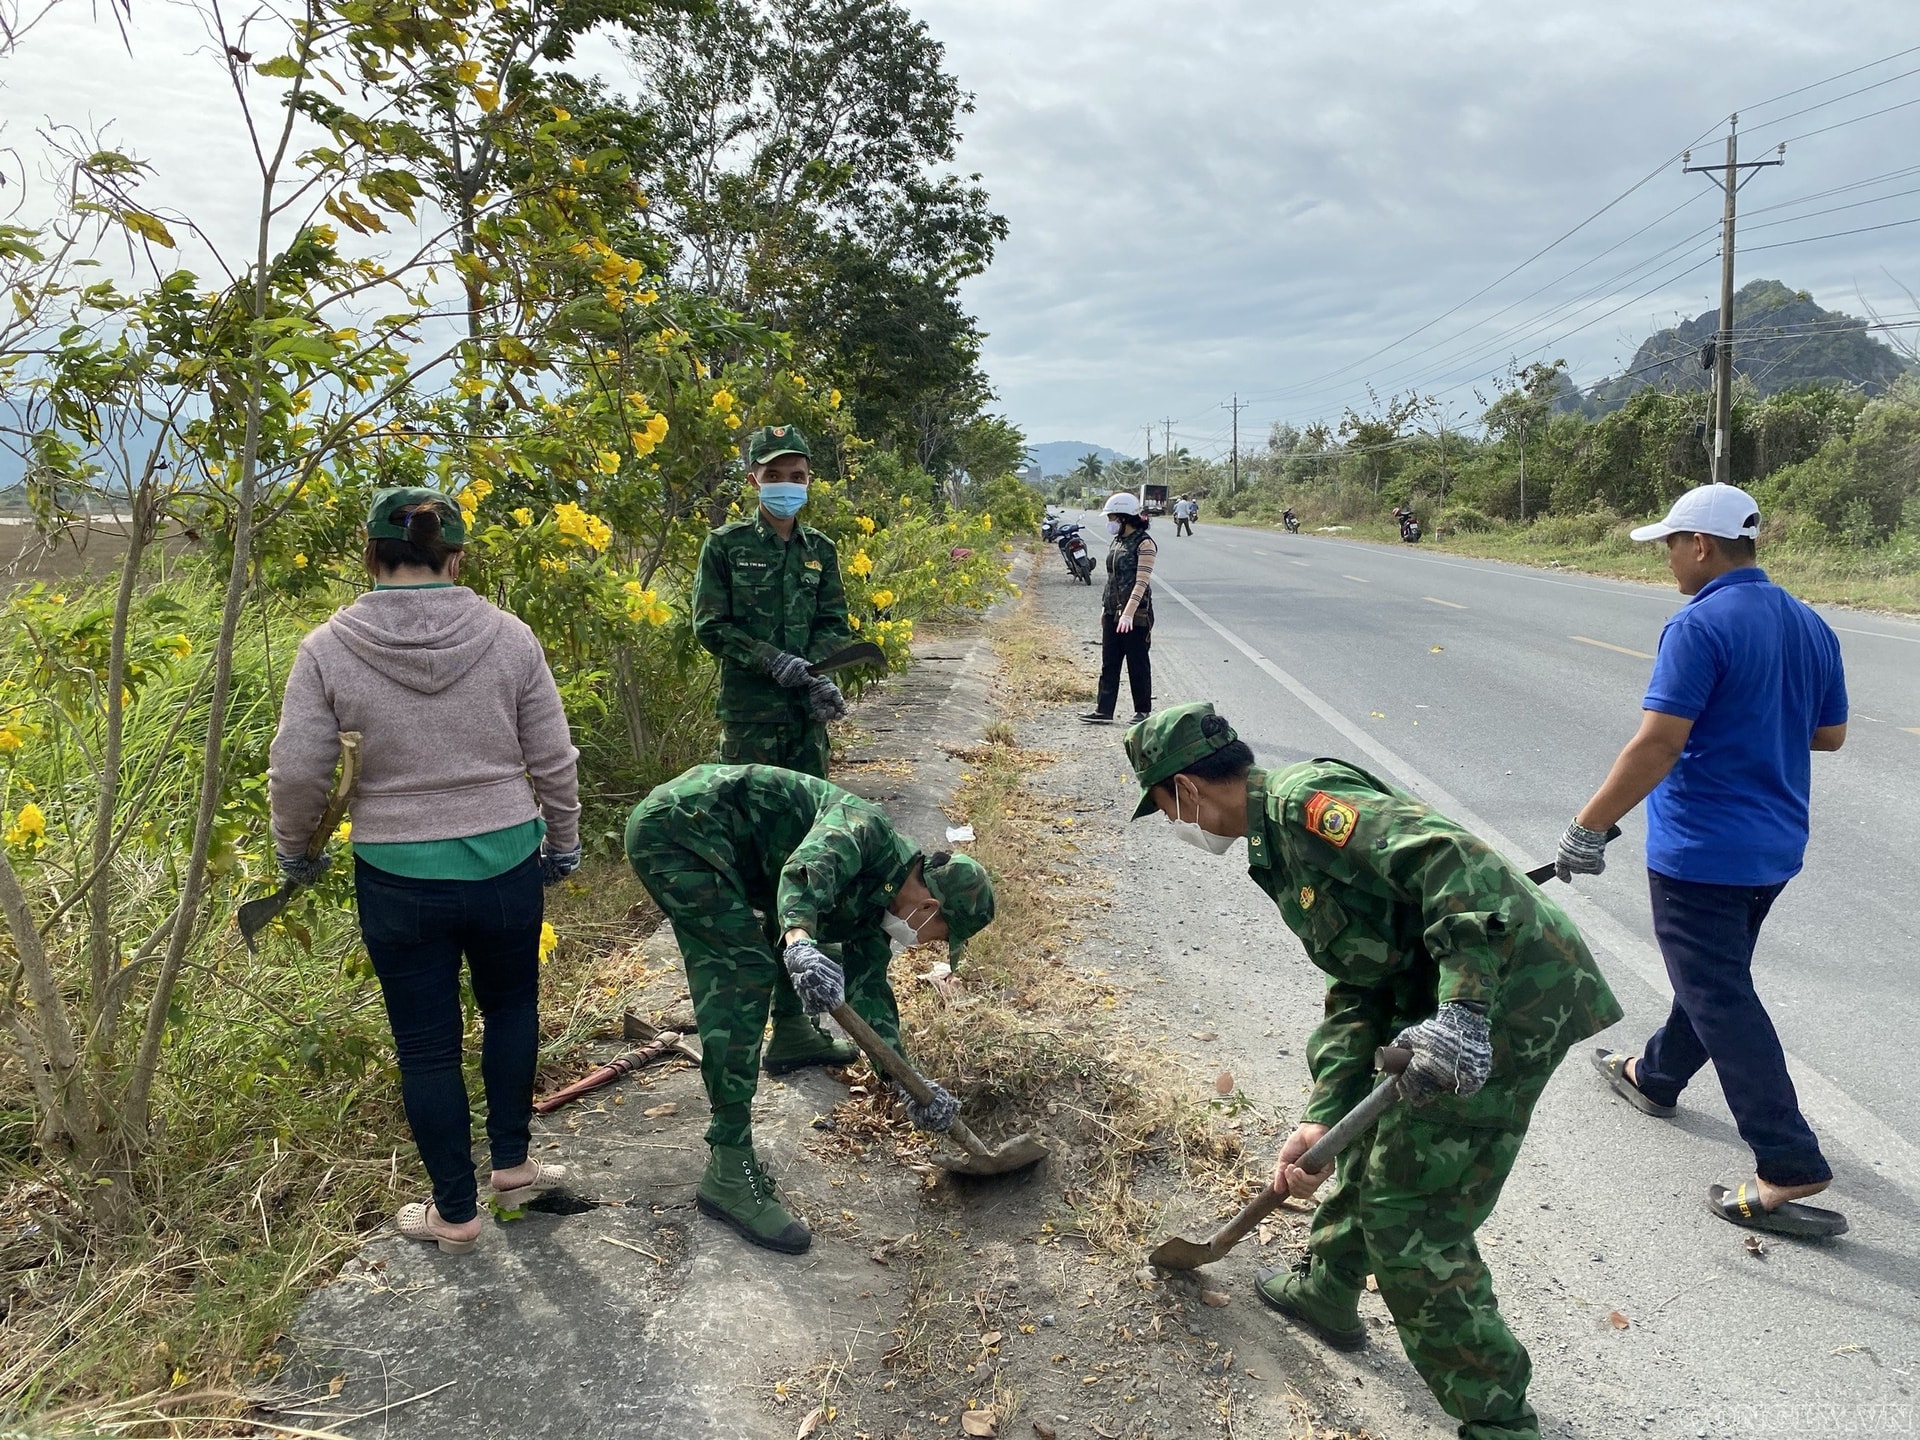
[(1124, 503)]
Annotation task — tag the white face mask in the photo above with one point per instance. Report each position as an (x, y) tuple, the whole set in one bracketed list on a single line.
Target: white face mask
[(1192, 834), (1113, 527), (903, 935)]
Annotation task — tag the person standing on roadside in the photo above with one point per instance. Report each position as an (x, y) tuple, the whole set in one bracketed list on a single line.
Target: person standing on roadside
[(768, 601), (1183, 512), (467, 805), (1748, 682), (1430, 941), (1126, 611)]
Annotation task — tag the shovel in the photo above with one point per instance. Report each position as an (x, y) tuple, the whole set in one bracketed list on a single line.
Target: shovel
[(1180, 1253), (980, 1159), (255, 915), (1540, 874), (861, 652)]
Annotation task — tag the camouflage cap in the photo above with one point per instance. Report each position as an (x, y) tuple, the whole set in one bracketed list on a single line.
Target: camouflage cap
[(771, 440), (965, 892), (386, 518), (1166, 742)]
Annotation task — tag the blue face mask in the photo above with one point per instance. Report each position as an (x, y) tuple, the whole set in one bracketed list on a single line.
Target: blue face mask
[(783, 498)]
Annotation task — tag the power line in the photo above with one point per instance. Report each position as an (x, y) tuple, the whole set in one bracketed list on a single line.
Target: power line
[(1836, 234), (1803, 89), (1822, 104), (1842, 124)]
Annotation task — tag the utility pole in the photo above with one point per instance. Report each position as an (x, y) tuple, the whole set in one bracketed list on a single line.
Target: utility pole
[(1166, 456), (1236, 407), (1730, 180), (1146, 475)]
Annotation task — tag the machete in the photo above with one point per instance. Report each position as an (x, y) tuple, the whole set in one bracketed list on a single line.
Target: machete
[(1540, 874), (861, 652), (255, 915)]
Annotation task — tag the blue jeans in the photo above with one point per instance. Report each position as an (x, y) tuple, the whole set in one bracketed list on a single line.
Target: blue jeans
[(1707, 935), (416, 933)]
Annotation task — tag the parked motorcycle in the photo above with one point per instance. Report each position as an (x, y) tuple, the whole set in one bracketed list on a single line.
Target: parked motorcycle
[(1073, 549), (1409, 527), (1288, 519)]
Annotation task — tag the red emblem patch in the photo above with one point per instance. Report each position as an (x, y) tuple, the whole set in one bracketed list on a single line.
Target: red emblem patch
[(1332, 820)]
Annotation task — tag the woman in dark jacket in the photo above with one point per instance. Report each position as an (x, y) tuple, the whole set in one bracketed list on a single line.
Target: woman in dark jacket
[(1126, 611)]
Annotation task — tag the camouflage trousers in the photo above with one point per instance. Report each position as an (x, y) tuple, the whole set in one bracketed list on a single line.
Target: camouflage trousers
[(732, 970), (1404, 1205), (790, 744)]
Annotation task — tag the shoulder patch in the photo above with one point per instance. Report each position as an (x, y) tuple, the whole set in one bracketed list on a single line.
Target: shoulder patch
[(812, 564), (1332, 820)]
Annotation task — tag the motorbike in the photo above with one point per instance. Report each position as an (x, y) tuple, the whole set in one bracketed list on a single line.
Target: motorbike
[(1073, 549), (1288, 519), (1050, 526), (1409, 527)]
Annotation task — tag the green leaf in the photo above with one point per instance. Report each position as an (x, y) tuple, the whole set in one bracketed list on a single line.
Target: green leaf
[(147, 227), (281, 67)]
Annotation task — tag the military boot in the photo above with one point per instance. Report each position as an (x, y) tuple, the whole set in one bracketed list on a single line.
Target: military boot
[(737, 1192), (1306, 1294), (798, 1041)]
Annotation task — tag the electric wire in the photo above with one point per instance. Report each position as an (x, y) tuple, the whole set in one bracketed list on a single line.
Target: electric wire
[(1831, 235)]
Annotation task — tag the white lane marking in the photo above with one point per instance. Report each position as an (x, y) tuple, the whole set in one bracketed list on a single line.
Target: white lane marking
[(1911, 729), (1258, 551), (1880, 635), (1436, 600), (1301, 563), (1847, 1121), (1357, 579), (1617, 649)]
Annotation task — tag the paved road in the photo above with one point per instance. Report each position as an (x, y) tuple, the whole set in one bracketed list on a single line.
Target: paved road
[(1502, 694)]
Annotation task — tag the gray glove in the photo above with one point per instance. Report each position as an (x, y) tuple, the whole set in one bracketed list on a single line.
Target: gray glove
[(556, 865), (786, 670), (1582, 852), (1452, 1054), (824, 699), (937, 1115), (820, 984), (299, 870)]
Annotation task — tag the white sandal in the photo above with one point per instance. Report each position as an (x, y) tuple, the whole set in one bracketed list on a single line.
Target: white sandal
[(546, 1176), (415, 1223)]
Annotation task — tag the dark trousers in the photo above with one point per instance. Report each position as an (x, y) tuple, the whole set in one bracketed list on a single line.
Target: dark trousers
[(1707, 935), (417, 932), (1182, 527), (1135, 649)]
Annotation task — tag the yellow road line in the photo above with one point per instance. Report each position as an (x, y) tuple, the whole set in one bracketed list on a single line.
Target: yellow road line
[(1617, 649), (1357, 579), (1436, 600)]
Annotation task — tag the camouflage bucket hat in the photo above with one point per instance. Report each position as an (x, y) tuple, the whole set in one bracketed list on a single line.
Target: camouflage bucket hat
[(965, 893), (386, 519), (773, 440), (1166, 742)]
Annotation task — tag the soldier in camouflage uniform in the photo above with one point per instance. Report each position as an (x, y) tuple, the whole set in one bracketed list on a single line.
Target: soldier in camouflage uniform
[(724, 841), (768, 601), (1432, 941)]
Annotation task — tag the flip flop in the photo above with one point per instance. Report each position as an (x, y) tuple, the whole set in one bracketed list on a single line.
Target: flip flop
[(1612, 1065), (1741, 1205)]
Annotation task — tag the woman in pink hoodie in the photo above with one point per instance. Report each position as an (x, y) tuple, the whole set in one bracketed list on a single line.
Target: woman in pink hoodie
[(467, 805)]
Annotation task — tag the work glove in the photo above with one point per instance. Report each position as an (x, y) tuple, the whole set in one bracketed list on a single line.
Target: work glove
[(556, 865), (300, 870), (1582, 852), (937, 1115), (789, 671), (824, 700), (1452, 1053), (817, 980)]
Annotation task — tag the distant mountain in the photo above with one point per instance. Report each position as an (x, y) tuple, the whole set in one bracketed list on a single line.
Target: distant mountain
[(1062, 457), (1782, 340)]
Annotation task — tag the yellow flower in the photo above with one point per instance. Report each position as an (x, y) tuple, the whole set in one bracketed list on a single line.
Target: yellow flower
[(343, 832), (881, 599), (471, 497), (735, 420), (722, 399), (854, 621), (560, 114), (10, 740), (865, 523), (637, 400), (549, 940), (28, 825), (523, 517), (575, 524), (608, 462), (657, 428), (861, 564), (986, 522), (180, 645), (833, 399), (300, 562)]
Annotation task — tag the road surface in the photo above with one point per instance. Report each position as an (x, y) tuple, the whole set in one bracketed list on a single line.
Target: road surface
[(1502, 694)]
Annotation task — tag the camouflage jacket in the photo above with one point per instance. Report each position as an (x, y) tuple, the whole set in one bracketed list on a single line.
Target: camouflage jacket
[(804, 851), (1403, 909), (755, 592)]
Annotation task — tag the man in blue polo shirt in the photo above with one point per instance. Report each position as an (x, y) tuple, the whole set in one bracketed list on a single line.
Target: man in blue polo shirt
[(1747, 682)]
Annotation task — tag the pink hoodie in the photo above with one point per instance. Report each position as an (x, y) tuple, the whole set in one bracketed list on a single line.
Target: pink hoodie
[(462, 727)]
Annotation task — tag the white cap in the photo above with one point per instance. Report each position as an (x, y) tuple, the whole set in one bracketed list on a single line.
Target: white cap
[(1123, 503), (1723, 510)]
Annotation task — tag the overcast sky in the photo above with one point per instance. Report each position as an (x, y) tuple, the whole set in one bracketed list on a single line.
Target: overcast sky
[(1255, 197)]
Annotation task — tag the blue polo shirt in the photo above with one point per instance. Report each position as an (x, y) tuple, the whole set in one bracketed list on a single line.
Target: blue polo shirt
[(1757, 672)]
